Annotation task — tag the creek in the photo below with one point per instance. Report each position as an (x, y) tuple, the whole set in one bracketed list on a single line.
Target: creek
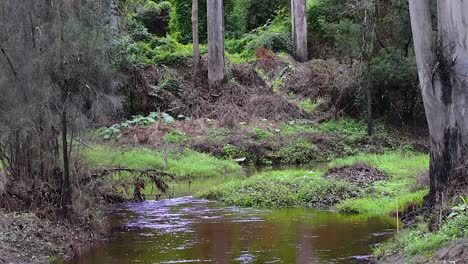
[(188, 230)]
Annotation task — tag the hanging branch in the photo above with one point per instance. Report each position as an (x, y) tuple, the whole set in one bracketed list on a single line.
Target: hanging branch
[(140, 181)]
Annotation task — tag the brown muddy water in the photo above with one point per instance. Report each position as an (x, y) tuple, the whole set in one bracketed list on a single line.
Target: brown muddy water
[(187, 230)]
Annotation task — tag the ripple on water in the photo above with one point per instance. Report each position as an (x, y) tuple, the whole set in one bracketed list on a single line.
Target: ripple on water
[(186, 230)]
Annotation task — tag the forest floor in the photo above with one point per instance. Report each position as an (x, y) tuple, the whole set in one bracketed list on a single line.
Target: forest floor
[(27, 238)]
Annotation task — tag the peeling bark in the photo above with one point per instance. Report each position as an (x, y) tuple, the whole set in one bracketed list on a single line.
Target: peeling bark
[(443, 71)]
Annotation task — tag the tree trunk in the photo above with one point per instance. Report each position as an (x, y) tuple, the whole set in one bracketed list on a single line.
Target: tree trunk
[(66, 188), (443, 72), (367, 36), (299, 29), (369, 88), (196, 46), (216, 63)]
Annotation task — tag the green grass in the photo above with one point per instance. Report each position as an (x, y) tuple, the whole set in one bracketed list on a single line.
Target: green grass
[(286, 188), (382, 205), (419, 241), (396, 164), (301, 188), (186, 165), (307, 105), (402, 169)]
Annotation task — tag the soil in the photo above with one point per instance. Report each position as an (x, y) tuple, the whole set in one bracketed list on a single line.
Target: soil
[(455, 252), (26, 238), (361, 175), (243, 98)]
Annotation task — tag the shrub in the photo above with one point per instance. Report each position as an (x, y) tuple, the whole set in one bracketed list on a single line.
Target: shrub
[(274, 35), (300, 152), (175, 137), (155, 17)]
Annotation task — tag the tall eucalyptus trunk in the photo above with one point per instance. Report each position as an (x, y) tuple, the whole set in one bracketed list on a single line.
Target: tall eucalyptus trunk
[(299, 29), (216, 60), (196, 45), (443, 71)]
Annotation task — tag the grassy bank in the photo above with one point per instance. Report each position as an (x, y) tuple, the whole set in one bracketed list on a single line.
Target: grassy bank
[(303, 188), (403, 170), (280, 189), (419, 245), (185, 164)]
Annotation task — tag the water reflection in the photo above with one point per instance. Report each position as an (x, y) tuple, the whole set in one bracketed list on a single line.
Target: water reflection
[(185, 230)]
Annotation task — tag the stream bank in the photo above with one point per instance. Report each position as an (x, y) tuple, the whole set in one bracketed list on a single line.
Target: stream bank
[(27, 238)]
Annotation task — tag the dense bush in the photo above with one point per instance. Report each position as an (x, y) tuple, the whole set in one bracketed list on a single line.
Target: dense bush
[(275, 36), (397, 94), (180, 24), (155, 17), (140, 49), (241, 16), (259, 12)]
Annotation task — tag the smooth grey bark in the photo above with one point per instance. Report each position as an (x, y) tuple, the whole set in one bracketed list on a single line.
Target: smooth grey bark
[(443, 71), (216, 61), (196, 45), (299, 29)]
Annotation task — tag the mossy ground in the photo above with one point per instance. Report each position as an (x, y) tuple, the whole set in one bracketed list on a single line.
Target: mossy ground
[(302, 188), (280, 189)]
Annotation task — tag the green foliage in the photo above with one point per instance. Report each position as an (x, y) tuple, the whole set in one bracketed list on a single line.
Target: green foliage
[(459, 209), (233, 152), (308, 105), (346, 36), (155, 16), (187, 164), (241, 16), (175, 137), (397, 165), (274, 35), (278, 189), (235, 18), (115, 130), (261, 133), (402, 169), (391, 68), (180, 24), (352, 130), (382, 205), (259, 12), (150, 50), (300, 152), (419, 241)]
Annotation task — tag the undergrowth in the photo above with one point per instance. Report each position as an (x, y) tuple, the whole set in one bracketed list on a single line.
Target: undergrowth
[(286, 188), (420, 241)]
